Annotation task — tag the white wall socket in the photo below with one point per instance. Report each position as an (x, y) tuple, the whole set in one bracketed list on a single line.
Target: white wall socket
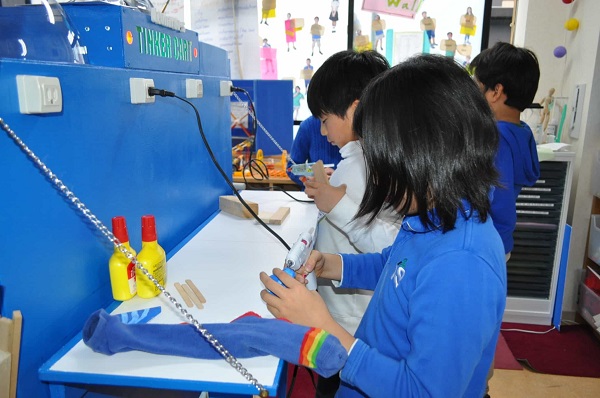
[(225, 88), (194, 88), (39, 94), (138, 88)]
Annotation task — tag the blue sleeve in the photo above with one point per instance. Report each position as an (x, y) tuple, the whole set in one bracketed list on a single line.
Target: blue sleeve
[(300, 151), (504, 207), (362, 271), (461, 289)]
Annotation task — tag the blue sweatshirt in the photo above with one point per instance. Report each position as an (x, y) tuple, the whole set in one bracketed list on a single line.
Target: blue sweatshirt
[(432, 325), (518, 164), (309, 145)]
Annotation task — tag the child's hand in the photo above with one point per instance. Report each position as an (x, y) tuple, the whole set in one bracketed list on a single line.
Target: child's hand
[(325, 196), (294, 301), (314, 264)]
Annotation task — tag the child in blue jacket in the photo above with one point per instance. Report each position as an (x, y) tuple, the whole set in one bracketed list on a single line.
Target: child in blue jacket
[(432, 325), (508, 77)]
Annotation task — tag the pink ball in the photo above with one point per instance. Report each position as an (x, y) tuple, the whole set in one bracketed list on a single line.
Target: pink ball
[(560, 52), (567, 1)]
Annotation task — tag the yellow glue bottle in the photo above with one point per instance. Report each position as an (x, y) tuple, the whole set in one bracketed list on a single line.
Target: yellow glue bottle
[(121, 269), (153, 258)]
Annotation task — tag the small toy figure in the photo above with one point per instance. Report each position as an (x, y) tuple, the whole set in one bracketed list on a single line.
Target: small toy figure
[(333, 15), (547, 103), (467, 25), (378, 25), (428, 26), (316, 31)]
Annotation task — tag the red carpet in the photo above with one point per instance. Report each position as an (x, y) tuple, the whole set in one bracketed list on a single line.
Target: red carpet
[(574, 351), (504, 358)]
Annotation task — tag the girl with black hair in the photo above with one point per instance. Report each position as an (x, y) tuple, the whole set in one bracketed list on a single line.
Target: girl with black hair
[(432, 325)]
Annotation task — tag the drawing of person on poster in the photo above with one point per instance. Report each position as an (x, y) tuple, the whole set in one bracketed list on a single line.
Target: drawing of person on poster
[(290, 31), (268, 10), (468, 26), (449, 45), (378, 26), (428, 26), (316, 31), (306, 73), (333, 15)]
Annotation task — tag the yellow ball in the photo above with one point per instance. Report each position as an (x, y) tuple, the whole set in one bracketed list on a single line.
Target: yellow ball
[(571, 24)]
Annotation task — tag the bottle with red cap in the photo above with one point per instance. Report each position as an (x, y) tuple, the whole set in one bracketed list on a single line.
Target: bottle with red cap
[(153, 258), (122, 269)]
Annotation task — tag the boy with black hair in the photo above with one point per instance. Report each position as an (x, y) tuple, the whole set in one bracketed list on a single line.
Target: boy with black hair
[(508, 77), (432, 325), (333, 96)]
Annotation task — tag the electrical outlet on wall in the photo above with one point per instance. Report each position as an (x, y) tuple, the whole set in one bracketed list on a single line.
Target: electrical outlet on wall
[(39, 94), (194, 88), (139, 90)]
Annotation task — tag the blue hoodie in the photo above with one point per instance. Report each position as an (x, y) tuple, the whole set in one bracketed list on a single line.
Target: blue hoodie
[(518, 165), (432, 325)]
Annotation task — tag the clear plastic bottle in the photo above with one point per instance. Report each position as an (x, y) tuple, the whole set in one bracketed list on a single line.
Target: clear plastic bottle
[(121, 269), (153, 258)]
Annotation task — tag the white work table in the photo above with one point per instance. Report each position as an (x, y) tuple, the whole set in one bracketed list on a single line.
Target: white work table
[(223, 258)]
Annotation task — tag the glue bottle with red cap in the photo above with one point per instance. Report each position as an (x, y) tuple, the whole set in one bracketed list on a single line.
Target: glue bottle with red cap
[(121, 268), (153, 258)]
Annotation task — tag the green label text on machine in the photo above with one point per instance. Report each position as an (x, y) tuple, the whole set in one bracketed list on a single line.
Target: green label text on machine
[(163, 45)]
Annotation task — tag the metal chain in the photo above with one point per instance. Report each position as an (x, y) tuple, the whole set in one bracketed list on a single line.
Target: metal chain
[(111, 237), (251, 113)]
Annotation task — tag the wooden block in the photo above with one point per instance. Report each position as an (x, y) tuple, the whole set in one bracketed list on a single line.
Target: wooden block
[(15, 351), (232, 205), (10, 341), (280, 215), (319, 172), (4, 374), (6, 334)]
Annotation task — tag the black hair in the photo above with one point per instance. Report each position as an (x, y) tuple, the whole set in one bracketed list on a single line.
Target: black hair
[(341, 80), (428, 134), (517, 69)]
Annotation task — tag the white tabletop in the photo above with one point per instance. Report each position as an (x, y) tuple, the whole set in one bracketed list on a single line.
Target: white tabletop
[(223, 259)]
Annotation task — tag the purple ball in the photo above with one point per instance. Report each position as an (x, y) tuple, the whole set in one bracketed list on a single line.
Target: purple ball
[(560, 51)]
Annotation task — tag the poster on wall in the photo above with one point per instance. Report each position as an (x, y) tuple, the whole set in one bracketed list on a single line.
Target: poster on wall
[(232, 26), (403, 8), (450, 28)]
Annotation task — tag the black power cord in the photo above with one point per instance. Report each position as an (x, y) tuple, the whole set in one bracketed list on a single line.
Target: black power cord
[(152, 91)]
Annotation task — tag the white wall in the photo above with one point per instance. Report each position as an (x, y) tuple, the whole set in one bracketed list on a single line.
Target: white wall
[(539, 27)]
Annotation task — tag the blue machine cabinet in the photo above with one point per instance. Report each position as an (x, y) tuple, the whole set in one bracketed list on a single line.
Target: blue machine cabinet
[(119, 159), (273, 102)]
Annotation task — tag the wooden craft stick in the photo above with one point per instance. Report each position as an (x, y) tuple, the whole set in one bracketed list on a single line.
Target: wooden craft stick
[(183, 294), (195, 298), (195, 290)]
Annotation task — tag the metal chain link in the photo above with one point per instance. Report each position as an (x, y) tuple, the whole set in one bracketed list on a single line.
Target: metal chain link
[(251, 113), (111, 237)]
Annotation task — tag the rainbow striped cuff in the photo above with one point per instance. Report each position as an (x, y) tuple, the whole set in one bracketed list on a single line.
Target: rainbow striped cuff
[(311, 345)]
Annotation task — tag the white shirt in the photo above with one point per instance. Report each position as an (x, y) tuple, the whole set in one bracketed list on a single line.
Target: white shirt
[(338, 233)]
